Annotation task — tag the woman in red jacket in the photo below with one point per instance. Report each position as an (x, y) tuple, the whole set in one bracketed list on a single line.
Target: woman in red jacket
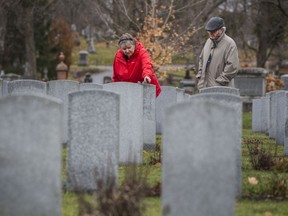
[(132, 63)]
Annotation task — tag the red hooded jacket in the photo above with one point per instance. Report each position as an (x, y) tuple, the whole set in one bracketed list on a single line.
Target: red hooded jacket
[(135, 68)]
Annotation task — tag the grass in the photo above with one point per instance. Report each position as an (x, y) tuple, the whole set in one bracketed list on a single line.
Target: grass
[(244, 207)]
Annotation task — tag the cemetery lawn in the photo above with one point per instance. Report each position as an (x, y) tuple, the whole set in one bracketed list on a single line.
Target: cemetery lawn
[(249, 205)]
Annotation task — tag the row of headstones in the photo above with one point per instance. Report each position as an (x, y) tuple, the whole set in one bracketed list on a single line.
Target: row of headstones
[(152, 109), (270, 116), (202, 142)]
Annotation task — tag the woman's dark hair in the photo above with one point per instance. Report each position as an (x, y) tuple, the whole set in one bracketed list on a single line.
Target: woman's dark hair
[(126, 37)]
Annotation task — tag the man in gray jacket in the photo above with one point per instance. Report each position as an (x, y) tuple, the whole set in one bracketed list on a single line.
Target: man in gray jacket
[(218, 61)]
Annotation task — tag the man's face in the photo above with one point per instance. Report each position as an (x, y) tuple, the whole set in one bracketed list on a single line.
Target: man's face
[(214, 35)]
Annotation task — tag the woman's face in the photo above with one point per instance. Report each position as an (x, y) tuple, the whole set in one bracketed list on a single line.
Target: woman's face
[(128, 49)]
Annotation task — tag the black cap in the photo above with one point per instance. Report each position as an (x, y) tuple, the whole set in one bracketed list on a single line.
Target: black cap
[(214, 24)]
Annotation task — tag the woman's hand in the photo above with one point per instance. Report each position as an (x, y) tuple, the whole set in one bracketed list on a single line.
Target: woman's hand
[(147, 79)]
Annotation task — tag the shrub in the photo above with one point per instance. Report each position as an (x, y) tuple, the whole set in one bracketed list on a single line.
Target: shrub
[(260, 158)]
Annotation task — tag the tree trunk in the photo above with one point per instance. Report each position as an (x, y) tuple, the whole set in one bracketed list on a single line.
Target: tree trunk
[(28, 28), (3, 22)]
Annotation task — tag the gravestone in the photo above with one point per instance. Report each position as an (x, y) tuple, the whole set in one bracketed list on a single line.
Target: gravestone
[(256, 115), (281, 116), (83, 55), (167, 98), (180, 93), (1, 86), (233, 101), (251, 81), (220, 89), (265, 114), (93, 139), (284, 78), (131, 120), (273, 114), (260, 114), (5, 87), (30, 155), (149, 117), (26, 86), (60, 89), (199, 159), (90, 86)]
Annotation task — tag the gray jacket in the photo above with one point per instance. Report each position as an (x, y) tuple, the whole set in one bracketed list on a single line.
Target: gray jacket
[(224, 63)]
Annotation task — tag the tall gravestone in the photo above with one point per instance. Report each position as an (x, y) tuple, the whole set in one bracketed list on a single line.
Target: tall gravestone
[(5, 87), (93, 139), (220, 89), (1, 87), (30, 155), (284, 78), (60, 89), (233, 101), (26, 86), (265, 114), (273, 114), (149, 117), (281, 116), (131, 120), (168, 97), (256, 115), (90, 86), (199, 159)]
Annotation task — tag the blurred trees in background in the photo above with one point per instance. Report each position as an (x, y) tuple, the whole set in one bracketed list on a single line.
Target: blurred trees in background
[(32, 33)]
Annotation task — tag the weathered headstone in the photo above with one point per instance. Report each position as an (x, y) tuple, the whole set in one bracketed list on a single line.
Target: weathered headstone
[(90, 86), (149, 117), (180, 93), (285, 80), (30, 155), (60, 89), (256, 115), (1, 87), (26, 86), (5, 87), (167, 98), (265, 114), (251, 81), (273, 114), (220, 89), (199, 159), (131, 120), (93, 138), (233, 101), (83, 58), (281, 115)]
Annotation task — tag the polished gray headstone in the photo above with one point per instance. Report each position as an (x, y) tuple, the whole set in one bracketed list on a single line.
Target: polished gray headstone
[(93, 138), (30, 155), (199, 159), (131, 120)]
